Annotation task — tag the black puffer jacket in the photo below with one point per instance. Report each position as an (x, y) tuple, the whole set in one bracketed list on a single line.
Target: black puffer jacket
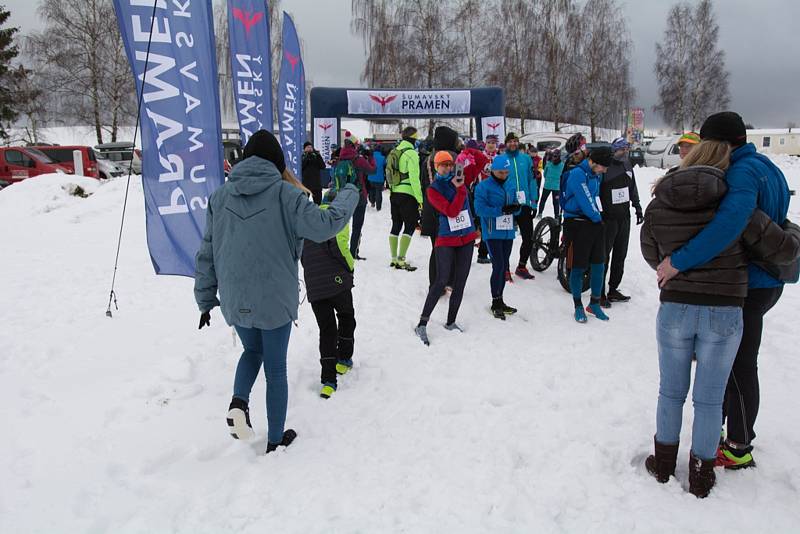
[(325, 271), (685, 202)]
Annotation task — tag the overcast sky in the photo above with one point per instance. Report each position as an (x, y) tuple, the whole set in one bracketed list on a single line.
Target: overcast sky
[(759, 39)]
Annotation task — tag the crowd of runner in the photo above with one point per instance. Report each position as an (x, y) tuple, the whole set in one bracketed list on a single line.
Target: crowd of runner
[(715, 231)]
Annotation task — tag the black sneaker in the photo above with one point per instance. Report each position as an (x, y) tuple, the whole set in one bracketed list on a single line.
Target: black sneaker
[(616, 296), (497, 309), (605, 302), (239, 420), (508, 310), (483, 260), (288, 438)]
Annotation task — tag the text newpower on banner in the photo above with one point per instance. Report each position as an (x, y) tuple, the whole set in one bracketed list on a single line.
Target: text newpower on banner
[(494, 126), (408, 102), (181, 133), (326, 134), (251, 65)]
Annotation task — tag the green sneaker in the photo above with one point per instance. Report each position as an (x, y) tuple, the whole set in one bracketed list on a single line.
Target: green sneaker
[(403, 265), (327, 391), (729, 460), (343, 366)]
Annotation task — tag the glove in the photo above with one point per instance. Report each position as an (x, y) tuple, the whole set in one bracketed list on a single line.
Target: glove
[(205, 320), (509, 209), (639, 217)]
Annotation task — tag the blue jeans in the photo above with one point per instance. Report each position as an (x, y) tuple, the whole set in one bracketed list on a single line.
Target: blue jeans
[(712, 333), (267, 348)]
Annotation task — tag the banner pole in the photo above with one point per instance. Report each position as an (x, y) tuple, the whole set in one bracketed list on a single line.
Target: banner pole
[(112, 296)]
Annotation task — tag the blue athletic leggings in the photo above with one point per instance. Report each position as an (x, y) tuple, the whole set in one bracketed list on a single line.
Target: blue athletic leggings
[(267, 348), (500, 252)]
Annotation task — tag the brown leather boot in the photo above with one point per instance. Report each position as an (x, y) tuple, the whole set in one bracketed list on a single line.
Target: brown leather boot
[(662, 464), (701, 476)]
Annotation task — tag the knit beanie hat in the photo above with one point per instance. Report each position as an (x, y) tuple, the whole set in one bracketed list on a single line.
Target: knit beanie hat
[(307, 143), (501, 163), (264, 145), (445, 138), (442, 156), (725, 126), (602, 155), (510, 136), (472, 143), (619, 143), (492, 137), (350, 138)]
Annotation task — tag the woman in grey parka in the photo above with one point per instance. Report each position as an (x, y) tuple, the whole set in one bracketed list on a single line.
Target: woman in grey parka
[(255, 226)]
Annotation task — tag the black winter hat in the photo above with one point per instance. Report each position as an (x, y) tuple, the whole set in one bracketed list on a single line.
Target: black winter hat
[(602, 155), (264, 145), (445, 138), (725, 126), (510, 136), (307, 143)]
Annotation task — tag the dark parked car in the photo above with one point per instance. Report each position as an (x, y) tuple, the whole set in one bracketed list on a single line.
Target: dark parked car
[(636, 156)]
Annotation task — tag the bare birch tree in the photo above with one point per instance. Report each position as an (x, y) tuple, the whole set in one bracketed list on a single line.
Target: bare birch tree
[(690, 68), (80, 60)]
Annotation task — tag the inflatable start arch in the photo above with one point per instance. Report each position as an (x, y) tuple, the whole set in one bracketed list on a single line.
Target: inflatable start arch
[(330, 104)]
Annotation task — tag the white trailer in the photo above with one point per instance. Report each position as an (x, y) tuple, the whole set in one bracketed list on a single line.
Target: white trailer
[(779, 141)]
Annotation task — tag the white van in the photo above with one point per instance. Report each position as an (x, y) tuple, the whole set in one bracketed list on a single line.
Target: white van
[(546, 141), (663, 152)]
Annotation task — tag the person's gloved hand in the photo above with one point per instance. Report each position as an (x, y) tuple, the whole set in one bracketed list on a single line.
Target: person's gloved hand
[(639, 217), (205, 320), (510, 208)]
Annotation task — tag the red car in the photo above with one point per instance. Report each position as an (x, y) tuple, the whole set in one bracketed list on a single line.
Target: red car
[(19, 163), (63, 156)]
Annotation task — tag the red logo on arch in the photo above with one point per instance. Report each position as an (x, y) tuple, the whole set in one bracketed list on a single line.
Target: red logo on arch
[(248, 18), (325, 127), (383, 100), (493, 125)]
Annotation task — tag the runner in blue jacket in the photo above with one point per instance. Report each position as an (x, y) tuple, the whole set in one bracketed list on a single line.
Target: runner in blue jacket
[(522, 184), (496, 205), (583, 229)]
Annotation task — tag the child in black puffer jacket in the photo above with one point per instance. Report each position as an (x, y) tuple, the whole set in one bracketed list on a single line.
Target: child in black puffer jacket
[(328, 274)]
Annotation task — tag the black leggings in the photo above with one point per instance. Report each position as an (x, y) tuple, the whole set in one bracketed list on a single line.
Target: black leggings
[(405, 213), (448, 258), (432, 267), (525, 223), (556, 202), (742, 397)]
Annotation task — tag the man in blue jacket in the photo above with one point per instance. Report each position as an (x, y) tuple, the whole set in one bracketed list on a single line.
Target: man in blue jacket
[(753, 182), (523, 187), (583, 228)]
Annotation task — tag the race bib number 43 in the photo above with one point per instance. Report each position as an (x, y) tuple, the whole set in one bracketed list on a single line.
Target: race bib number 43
[(460, 221), (505, 222)]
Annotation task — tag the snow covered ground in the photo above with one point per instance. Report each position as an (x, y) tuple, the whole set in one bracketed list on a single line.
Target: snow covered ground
[(535, 424)]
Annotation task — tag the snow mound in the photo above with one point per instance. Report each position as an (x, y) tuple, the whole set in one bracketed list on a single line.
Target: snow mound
[(46, 193), (534, 424)]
